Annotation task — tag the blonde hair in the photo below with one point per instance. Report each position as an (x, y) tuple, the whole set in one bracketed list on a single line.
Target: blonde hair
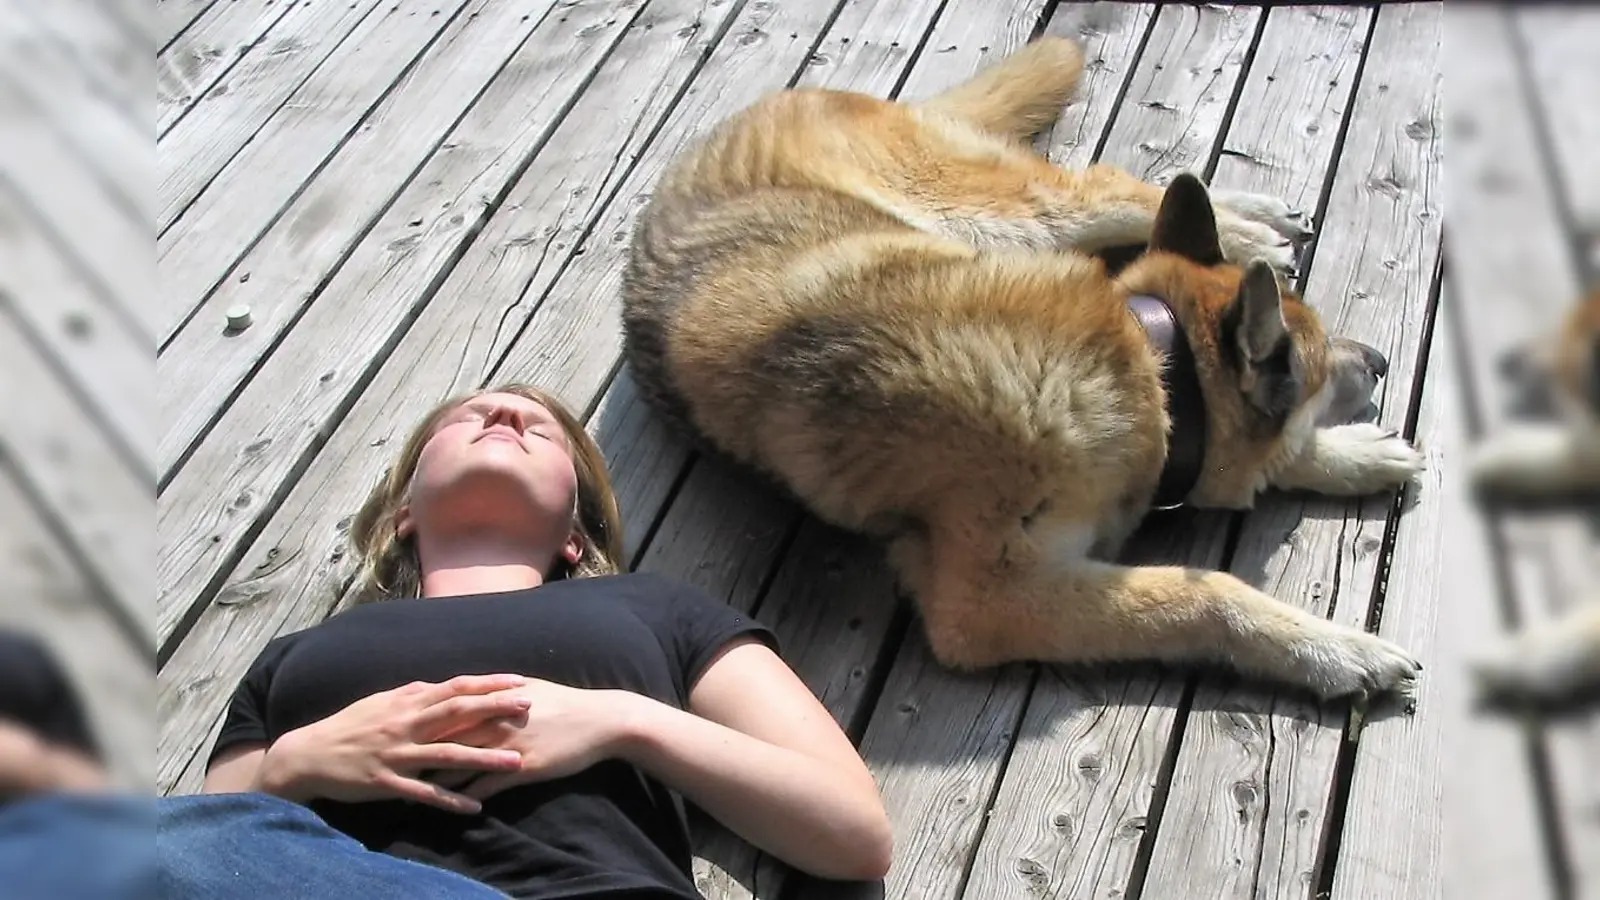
[(390, 565)]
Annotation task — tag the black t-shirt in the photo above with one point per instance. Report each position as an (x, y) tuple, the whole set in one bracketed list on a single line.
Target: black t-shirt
[(611, 830), (35, 691)]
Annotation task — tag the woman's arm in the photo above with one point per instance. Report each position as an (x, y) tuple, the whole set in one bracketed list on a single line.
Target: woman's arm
[(375, 748), (757, 751), (764, 757), (236, 771)]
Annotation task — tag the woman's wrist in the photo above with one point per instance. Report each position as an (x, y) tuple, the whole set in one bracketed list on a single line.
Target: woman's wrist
[(633, 724), (282, 773)]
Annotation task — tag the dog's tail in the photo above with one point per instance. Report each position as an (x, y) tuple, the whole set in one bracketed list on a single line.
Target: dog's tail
[(1022, 94)]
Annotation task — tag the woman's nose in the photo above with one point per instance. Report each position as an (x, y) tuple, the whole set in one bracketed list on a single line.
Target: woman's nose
[(508, 416)]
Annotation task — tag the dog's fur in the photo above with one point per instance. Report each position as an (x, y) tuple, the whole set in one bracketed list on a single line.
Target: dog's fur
[(1557, 663), (888, 309)]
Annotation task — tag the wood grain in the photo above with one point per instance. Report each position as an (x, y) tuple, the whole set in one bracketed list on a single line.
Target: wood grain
[(356, 197), (207, 52), (251, 190), (1403, 764), (174, 17), (227, 116)]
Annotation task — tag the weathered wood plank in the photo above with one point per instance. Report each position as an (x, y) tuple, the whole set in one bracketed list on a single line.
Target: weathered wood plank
[(207, 52), (1251, 792), (112, 145), (412, 146), (250, 192), (106, 362), (263, 79), (1405, 765), (46, 596), (174, 17), (78, 217), (297, 558), (403, 261)]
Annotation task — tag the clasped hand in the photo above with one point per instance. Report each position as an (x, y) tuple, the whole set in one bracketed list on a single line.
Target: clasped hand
[(479, 734)]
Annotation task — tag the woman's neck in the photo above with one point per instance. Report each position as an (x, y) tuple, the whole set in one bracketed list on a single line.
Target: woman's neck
[(478, 566)]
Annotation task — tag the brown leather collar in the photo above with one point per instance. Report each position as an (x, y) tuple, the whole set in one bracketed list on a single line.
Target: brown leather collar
[(1186, 405)]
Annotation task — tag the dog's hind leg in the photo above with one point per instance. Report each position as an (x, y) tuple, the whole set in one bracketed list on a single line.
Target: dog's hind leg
[(1104, 207), (1019, 96), (1094, 611)]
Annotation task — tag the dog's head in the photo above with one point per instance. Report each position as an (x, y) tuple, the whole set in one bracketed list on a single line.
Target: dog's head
[(1269, 372)]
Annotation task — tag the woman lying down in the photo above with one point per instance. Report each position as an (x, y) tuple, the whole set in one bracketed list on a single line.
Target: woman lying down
[(509, 715)]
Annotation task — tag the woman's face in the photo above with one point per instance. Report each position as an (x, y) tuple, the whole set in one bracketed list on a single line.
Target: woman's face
[(497, 461)]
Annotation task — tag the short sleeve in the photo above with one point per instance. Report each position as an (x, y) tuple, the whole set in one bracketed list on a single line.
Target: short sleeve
[(702, 626), (245, 722)]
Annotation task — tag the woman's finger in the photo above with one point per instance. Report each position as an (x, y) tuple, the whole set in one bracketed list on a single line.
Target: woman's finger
[(429, 794), (459, 713), (462, 685), (489, 785), (490, 733), (457, 756)]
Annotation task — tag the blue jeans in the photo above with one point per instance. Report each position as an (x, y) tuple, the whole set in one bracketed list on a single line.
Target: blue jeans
[(67, 847), (256, 847)]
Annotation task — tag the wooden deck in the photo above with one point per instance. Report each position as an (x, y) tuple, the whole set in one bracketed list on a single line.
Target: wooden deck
[(415, 198)]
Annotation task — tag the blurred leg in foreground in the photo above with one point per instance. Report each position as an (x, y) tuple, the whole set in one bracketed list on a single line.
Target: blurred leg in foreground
[(63, 834)]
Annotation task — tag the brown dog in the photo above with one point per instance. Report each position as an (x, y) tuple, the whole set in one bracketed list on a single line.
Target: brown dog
[(887, 308)]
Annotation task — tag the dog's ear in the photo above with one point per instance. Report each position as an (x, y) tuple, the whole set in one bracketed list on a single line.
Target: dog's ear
[(1255, 333), (1186, 224)]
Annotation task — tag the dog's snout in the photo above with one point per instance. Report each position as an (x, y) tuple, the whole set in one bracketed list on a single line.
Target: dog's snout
[(1376, 363)]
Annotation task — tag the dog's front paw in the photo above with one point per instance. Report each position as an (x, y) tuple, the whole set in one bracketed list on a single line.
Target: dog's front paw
[(1364, 458), (1343, 661), (1288, 222)]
